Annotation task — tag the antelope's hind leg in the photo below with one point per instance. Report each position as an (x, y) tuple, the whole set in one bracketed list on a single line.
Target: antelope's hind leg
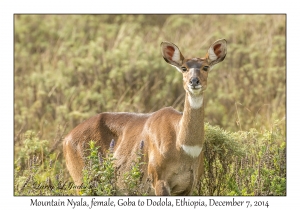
[(74, 161)]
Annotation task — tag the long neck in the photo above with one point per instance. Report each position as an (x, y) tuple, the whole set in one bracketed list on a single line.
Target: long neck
[(191, 131)]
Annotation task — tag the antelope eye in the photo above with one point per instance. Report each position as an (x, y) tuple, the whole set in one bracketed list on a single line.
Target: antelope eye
[(183, 68), (205, 68)]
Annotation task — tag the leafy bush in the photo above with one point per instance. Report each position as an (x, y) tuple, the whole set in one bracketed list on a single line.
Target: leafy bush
[(237, 163), (244, 163), (99, 174), (37, 171)]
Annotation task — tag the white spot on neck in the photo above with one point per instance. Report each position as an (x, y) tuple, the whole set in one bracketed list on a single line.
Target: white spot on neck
[(195, 101), (193, 151)]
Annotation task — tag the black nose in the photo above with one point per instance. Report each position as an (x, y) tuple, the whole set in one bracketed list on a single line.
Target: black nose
[(194, 81)]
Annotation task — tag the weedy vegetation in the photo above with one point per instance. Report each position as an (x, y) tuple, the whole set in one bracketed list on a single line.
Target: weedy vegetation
[(71, 67)]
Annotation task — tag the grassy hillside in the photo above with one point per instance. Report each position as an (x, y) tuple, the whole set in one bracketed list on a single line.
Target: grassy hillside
[(70, 67)]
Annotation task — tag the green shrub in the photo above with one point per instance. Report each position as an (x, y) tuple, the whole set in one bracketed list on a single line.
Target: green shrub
[(236, 163), (37, 171), (99, 174), (244, 163), (133, 178)]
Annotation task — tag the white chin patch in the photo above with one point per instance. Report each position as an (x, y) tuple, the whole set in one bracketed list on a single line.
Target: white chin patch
[(196, 90), (193, 151), (195, 101)]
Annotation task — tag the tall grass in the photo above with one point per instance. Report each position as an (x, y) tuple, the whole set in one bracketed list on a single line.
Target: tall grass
[(70, 67)]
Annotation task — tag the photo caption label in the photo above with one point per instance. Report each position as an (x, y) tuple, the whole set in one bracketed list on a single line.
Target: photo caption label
[(191, 203)]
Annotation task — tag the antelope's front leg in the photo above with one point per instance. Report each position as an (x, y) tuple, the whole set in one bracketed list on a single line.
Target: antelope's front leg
[(162, 188), (160, 185)]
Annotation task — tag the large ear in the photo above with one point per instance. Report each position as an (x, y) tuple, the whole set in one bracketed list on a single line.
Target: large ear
[(217, 52), (171, 54)]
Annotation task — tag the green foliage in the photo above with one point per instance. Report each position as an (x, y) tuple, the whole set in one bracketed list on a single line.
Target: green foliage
[(236, 163), (133, 178), (32, 147), (221, 149), (99, 174), (70, 67), (244, 163), (37, 171)]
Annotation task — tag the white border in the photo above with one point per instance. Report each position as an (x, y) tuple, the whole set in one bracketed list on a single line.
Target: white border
[(8, 8)]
